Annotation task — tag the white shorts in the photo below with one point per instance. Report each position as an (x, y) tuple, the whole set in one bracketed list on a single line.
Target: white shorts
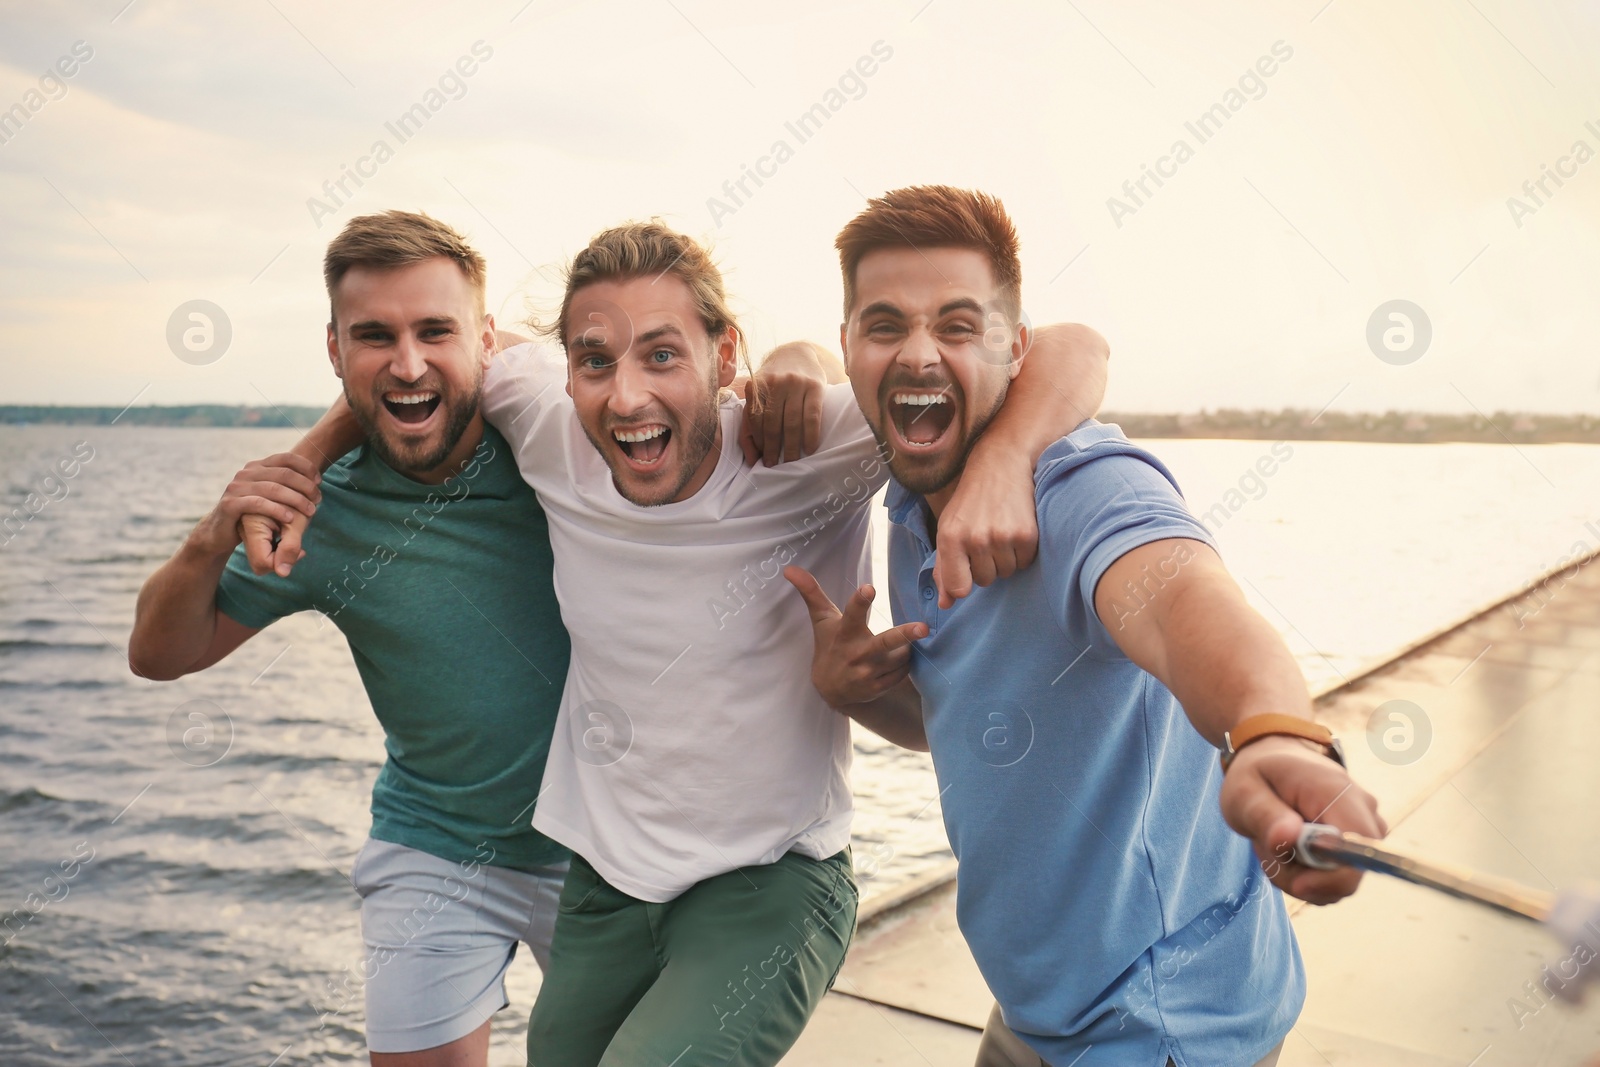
[(439, 937)]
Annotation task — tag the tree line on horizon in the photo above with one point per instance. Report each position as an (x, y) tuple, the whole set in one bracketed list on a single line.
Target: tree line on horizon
[(1289, 424)]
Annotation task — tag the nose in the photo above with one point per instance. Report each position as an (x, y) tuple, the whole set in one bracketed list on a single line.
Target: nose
[(407, 363), (920, 353), (630, 392)]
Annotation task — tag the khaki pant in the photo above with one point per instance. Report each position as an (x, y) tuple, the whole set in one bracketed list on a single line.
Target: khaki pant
[(1002, 1048)]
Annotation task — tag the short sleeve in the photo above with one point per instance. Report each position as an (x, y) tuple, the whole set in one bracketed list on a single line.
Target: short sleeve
[(1094, 511), (258, 600), (525, 397)]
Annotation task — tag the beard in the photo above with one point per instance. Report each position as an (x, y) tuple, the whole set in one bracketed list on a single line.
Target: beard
[(416, 457), (928, 475), (695, 433)]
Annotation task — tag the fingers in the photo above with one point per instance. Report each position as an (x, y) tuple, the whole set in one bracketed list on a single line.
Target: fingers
[(256, 533), (899, 638), (750, 435), (772, 427), (952, 574), (298, 464), (856, 610), (817, 603), (290, 552), (1277, 785), (813, 421), (794, 427)]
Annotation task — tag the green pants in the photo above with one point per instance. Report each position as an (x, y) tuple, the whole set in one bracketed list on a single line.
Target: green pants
[(726, 974)]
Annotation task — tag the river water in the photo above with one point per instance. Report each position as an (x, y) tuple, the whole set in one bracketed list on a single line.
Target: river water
[(197, 910)]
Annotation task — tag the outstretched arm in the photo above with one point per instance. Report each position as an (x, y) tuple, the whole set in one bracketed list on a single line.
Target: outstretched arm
[(1225, 663), (177, 629), (989, 529)]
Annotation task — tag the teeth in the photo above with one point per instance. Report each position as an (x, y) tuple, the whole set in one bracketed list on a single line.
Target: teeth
[(635, 436), (920, 400), (410, 398)]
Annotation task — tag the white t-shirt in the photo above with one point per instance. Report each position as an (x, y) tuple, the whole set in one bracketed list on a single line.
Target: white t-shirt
[(690, 740)]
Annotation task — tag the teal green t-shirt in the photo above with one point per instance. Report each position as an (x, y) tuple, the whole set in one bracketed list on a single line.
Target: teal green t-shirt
[(445, 595)]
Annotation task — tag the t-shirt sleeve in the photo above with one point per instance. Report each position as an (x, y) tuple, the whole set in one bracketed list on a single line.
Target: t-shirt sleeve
[(1091, 514), (258, 600), (525, 398)]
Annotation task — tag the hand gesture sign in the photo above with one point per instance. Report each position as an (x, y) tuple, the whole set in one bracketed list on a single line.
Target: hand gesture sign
[(850, 664)]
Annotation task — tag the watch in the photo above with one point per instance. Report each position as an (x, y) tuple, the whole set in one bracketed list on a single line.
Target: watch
[(1258, 726)]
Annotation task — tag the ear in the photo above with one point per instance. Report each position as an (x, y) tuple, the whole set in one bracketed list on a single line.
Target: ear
[(727, 353), (333, 352), (844, 345), (487, 342), (1020, 344)]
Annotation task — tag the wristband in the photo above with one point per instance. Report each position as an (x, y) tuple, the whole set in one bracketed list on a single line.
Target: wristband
[(1258, 726)]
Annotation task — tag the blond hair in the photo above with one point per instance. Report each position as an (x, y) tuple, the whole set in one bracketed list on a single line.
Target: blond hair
[(392, 239), (651, 249)]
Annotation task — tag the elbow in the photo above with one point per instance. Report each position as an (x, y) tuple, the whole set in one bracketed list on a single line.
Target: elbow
[(145, 664)]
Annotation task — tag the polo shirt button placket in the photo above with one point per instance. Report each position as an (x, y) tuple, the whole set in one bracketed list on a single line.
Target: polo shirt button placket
[(930, 603)]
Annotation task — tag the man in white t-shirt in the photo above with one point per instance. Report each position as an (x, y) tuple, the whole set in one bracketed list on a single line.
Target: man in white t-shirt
[(699, 779), (696, 774)]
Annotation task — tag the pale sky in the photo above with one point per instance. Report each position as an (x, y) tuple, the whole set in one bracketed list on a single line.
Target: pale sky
[(1375, 163)]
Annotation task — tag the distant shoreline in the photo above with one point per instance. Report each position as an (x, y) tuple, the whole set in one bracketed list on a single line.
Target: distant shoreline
[(1289, 424)]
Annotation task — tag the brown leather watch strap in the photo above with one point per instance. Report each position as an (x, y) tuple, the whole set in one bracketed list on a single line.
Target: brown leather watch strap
[(1274, 725)]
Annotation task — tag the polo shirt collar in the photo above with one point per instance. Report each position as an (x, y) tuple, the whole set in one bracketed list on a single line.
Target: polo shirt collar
[(907, 509)]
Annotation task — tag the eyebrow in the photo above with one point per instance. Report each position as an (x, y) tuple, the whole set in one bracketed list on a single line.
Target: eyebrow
[(966, 303), (431, 320), (583, 341), (658, 333), (883, 307)]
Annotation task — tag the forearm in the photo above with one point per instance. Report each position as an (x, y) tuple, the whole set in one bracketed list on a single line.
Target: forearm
[(1223, 661), (335, 434), (805, 357), (175, 617), (895, 716), (1062, 381)]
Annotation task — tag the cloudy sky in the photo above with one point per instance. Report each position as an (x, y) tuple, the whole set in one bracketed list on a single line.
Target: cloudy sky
[(1359, 152)]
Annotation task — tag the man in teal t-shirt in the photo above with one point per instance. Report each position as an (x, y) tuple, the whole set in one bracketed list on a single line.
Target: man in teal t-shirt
[(444, 593), (432, 556)]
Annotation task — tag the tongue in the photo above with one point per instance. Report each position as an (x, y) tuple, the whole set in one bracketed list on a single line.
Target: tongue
[(924, 425), (650, 451), (413, 412)]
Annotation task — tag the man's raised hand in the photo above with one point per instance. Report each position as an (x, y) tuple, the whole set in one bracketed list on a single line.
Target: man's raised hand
[(850, 664)]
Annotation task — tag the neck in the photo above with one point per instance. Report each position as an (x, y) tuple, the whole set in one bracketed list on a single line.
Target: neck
[(702, 473), (456, 459), (939, 499)]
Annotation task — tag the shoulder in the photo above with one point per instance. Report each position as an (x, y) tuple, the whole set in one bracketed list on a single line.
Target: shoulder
[(1098, 460), (528, 374)]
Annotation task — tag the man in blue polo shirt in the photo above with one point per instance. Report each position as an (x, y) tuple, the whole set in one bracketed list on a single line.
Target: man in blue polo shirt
[(1074, 709)]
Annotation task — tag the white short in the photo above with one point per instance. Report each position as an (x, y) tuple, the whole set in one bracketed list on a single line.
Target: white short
[(439, 938)]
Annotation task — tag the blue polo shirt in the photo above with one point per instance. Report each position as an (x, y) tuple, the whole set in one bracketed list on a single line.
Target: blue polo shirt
[(1115, 916)]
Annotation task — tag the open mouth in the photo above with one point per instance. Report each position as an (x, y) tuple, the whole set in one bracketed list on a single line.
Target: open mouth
[(411, 408), (923, 417), (643, 445)]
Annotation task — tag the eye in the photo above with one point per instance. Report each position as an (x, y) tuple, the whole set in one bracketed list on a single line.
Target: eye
[(661, 355), (883, 329), (436, 332), (594, 363), (959, 329)]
